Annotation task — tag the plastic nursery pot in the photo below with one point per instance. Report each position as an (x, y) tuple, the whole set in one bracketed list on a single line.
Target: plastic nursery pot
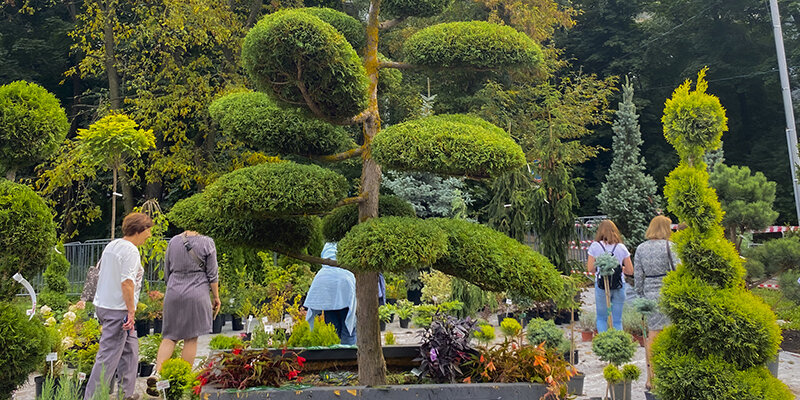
[(383, 326), (157, 324), (404, 322), (236, 323), (145, 369), (142, 328), (575, 354), (216, 326), (772, 365), (39, 382), (622, 391), (650, 396), (575, 384)]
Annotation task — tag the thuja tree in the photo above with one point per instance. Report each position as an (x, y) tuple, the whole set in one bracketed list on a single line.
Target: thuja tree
[(722, 335), (628, 196), (313, 77)]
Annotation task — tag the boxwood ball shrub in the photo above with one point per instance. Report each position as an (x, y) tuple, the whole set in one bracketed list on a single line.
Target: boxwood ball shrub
[(721, 335), (257, 120), (413, 8), (613, 346), (275, 189), (544, 331), (336, 224), (448, 145), (27, 236), (32, 124), (493, 261), (331, 72), (352, 29), (23, 345), (392, 244), (473, 44)]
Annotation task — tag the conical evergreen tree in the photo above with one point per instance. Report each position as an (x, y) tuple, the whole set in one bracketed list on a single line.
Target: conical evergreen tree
[(628, 196)]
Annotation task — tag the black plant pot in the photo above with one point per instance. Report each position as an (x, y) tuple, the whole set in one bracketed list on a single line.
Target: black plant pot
[(650, 396), (142, 328), (383, 326), (575, 354), (39, 382), (404, 322), (236, 323), (414, 296), (247, 337), (145, 369), (216, 326), (575, 384), (157, 325), (391, 301)]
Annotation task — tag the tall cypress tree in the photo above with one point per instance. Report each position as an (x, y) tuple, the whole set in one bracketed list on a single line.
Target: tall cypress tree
[(628, 196)]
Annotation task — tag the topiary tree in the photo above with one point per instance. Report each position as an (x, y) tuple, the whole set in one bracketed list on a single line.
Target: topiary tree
[(27, 235), (722, 335), (628, 196), (314, 80), (746, 200), (111, 143), (32, 126)]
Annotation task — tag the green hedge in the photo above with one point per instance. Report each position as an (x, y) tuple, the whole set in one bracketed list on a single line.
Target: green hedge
[(392, 244), (336, 224), (275, 190), (23, 345), (289, 233), (710, 257), (682, 375), (32, 124), (352, 29), (449, 145), (474, 44), (27, 235), (258, 121), (413, 8), (744, 331), (332, 72), (495, 262)]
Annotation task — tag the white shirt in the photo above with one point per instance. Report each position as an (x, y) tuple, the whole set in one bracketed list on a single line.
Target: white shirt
[(120, 262)]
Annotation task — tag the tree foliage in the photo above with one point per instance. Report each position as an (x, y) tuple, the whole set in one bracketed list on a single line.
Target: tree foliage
[(336, 224)]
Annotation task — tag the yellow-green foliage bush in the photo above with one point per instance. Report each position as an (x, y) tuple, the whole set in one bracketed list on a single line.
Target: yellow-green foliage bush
[(722, 335), (448, 145), (180, 376), (288, 41), (321, 335)]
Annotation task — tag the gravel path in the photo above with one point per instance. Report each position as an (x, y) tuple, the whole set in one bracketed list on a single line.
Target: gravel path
[(589, 364)]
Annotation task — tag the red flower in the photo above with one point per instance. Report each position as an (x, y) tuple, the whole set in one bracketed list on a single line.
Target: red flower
[(237, 351), (292, 374), (301, 360), (203, 380), (196, 390), (248, 366)]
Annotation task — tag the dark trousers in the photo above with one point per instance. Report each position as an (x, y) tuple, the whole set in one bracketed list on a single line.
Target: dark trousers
[(118, 351), (337, 318)]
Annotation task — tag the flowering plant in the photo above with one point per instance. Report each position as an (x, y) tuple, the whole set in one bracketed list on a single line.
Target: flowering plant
[(155, 304), (240, 369)]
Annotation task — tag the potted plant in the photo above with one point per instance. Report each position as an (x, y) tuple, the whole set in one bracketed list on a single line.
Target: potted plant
[(385, 315), (606, 263), (156, 309), (632, 323), (405, 310), (511, 329), (142, 319), (587, 325), (484, 334), (645, 308), (445, 347), (616, 348), (544, 331)]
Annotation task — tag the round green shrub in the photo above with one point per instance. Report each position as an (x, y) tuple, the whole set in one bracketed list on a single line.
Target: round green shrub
[(352, 29), (275, 190), (336, 224), (692, 199), (540, 330), (288, 41), (630, 372), (710, 257), (413, 8), (682, 375), (180, 376), (474, 44), (27, 236), (495, 262), (612, 374), (448, 145), (257, 120), (694, 120), (744, 330), (32, 124), (23, 345), (614, 346), (280, 233), (392, 244)]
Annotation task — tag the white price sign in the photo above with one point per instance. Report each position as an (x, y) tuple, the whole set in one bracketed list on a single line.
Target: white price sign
[(51, 357), (269, 329), (509, 302), (162, 385), (82, 376)]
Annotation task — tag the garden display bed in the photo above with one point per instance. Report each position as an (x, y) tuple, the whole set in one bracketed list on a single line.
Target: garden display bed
[(349, 352), (456, 391)]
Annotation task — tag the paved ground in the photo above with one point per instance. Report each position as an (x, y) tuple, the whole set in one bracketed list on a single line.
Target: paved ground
[(589, 364)]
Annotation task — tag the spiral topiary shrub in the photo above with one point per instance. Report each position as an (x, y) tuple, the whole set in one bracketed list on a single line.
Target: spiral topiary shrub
[(292, 49), (722, 335), (23, 345), (336, 224)]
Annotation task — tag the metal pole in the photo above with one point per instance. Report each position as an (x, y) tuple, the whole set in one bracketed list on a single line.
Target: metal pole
[(791, 136)]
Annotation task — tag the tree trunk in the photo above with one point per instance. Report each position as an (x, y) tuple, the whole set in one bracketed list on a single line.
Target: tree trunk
[(371, 365), (154, 190), (110, 61), (114, 204), (127, 191)]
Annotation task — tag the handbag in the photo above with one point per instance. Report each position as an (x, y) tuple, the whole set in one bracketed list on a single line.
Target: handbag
[(90, 285)]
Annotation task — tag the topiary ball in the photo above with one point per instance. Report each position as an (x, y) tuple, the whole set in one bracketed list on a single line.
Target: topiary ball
[(544, 331), (614, 346)]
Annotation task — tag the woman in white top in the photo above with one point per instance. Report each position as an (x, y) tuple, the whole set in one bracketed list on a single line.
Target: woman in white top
[(608, 240), (118, 285)]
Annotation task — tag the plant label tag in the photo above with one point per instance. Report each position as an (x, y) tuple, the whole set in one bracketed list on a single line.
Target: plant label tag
[(29, 312), (435, 300), (264, 321), (81, 377), (416, 372), (162, 385), (51, 357), (509, 302), (269, 329)]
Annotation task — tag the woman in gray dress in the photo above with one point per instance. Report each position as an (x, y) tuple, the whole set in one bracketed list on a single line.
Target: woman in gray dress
[(191, 272), (652, 261)]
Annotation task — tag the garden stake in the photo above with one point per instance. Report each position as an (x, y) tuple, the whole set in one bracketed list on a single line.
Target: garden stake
[(608, 314)]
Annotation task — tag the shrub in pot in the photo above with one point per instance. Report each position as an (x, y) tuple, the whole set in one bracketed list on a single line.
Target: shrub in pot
[(545, 331), (616, 348), (405, 310), (511, 328), (385, 315), (180, 376), (23, 345), (148, 352), (322, 334)]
